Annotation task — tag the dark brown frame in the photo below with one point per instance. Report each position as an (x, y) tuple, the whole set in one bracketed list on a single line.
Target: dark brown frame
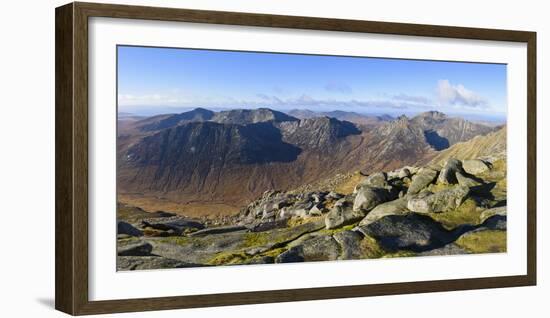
[(71, 157)]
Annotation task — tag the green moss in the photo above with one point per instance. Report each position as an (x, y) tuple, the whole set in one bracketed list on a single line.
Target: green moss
[(438, 187), (198, 243), (483, 242), (178, 240), (370, 248), (499, 165), (496, 173), (466, 213), (228, 258), (255, 239)]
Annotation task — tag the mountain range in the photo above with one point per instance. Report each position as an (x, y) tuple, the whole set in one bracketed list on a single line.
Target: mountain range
[(222, 160), (356, 118)]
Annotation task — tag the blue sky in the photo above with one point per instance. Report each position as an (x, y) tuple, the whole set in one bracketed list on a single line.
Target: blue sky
[(156, 80)]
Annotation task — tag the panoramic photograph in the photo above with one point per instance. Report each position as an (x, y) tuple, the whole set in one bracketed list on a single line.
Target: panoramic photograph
[(241, 158)]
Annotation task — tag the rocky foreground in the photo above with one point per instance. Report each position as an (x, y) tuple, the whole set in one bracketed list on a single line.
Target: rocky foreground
[(450, 207)]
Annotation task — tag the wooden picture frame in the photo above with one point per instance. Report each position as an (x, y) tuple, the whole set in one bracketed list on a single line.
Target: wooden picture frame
[(71, 90)]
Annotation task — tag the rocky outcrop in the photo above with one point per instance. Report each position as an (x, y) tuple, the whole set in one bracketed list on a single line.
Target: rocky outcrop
[(395, 207), (342, 214), (367, 198), (173, 225), (350, 244), (421, 180), (407, 211), (466, 181), (447, 175), (412, 232), (319, 248), (441, 201), (475, 166), (491, 212)]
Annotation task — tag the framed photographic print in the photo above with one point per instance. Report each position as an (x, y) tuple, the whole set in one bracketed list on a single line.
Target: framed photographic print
[(211, 158)]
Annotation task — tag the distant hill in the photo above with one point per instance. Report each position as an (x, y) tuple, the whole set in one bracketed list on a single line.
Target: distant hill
[(168, 121)]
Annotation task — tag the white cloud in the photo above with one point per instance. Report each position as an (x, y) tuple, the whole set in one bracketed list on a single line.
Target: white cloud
[(449, 94), (149, 100)]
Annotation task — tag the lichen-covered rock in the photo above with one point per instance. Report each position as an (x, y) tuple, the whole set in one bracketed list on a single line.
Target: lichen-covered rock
[(448, 173), (292, 255), (475, 166), (341, 215), (449, 249), (466, 181), (377, 180), (368, 198), (421, 180), (176, 224), (398, 206), (350, 244), (318, 248), (412, 232), (490, 212), (441, 201)]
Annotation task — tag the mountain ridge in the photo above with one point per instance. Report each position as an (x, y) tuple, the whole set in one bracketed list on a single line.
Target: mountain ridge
[(232, 156)]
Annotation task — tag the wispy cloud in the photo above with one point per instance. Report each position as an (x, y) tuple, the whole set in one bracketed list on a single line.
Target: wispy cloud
[(449, 94), (149, 99), (411, 98), (275, 101), (306, 101), (338, 87)]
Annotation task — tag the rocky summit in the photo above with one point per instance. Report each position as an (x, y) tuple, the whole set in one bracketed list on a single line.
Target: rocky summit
[(410, 211)]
